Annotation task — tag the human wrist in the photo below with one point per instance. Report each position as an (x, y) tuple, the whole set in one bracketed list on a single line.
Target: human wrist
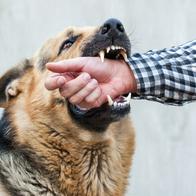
[(130, 81), (133, 85)]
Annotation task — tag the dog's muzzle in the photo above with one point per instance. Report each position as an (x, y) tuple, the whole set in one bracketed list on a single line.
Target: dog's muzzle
[(111, 42)]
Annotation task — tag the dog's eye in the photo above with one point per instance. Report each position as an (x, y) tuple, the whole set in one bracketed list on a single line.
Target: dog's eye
[(67, 44)]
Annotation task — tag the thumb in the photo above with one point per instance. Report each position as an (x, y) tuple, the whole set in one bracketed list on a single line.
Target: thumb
[(53, 83)]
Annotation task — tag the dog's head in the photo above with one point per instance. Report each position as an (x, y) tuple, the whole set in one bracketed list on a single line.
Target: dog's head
[(30, 105)]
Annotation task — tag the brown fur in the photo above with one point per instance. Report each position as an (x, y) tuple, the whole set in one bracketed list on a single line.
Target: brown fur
[(75, 160)]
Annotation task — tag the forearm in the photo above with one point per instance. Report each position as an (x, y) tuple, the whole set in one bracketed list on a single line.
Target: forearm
[(168, 75)]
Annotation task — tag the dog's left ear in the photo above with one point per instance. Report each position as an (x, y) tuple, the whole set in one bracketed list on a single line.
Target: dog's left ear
[(9, 82)]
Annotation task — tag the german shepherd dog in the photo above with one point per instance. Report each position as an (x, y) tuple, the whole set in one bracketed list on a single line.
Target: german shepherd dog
[(50, 147)]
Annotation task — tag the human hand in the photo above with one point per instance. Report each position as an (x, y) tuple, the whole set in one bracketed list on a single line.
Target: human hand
[(86, 81)]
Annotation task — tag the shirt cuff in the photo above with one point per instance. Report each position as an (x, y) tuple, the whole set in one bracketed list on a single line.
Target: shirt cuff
[(148, 74)]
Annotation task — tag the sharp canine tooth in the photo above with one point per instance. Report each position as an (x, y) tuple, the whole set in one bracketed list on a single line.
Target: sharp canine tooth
[(108, 49), (110, 101), (124, 55), (128, 97), (102, 55)]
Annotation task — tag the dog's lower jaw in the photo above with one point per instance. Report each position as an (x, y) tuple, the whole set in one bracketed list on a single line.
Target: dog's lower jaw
[(96, 119)]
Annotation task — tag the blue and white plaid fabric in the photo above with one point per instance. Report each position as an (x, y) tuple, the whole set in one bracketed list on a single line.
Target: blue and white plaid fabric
[(168, 75)]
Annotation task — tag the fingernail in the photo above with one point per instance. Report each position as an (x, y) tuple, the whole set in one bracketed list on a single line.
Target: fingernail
[(86, 76), (94, 82), (60, 81)]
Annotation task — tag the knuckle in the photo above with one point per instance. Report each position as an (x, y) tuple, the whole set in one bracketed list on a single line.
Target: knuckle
[(64, 92), (73, 100), (97, 104), (82, 82), (89, 88), (94, 81), (85, 77), (91, 102), (92, 85)]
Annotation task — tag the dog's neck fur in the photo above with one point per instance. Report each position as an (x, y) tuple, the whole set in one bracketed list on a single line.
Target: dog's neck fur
[(89, 170), (19, 178)]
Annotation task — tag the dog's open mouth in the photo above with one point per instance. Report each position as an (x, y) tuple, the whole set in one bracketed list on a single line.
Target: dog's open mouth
[(115, 108), (121, 102), (110, 42), (113, 52)]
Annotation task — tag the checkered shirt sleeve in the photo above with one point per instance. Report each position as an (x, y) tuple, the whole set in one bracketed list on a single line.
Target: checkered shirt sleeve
[(168, 75)]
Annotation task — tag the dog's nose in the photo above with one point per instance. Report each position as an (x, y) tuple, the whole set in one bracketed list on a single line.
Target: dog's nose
[(112, 27)]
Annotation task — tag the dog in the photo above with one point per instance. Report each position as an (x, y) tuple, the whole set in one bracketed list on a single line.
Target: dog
[(51, 147)]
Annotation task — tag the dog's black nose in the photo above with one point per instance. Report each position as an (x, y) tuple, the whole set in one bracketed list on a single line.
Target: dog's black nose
[(112, 27)]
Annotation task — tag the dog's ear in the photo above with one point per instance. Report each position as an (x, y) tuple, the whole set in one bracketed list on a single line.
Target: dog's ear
[(9, 82)]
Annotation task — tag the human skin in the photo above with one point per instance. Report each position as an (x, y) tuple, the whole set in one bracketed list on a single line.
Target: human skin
[(86, 81)]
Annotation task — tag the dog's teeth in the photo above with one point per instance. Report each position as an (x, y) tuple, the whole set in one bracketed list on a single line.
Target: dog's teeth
[(110, 101), (80, 108), (123, 53), (108, 49), (129, 98), (113, 47), (102, 55), (115, 104)]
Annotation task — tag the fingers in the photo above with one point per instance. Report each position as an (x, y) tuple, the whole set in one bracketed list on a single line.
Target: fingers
[(70, 65), (93, 100), (82, 94), (75, 85), (54, 82)]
